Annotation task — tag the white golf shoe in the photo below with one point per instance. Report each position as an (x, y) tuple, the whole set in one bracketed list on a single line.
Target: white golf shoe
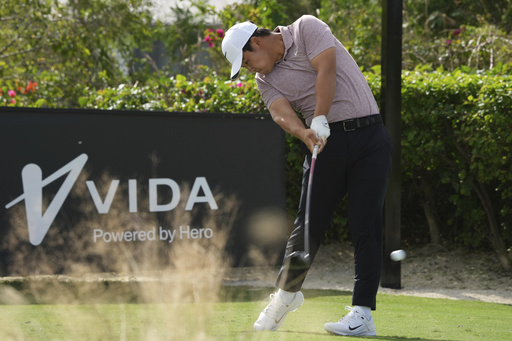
[(354, 323), (272, 317)]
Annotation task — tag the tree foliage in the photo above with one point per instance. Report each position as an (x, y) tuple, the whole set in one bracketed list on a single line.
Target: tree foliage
[(448, 34), (69, 44)]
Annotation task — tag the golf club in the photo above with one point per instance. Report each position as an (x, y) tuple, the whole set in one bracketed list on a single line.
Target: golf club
[(301, 259)]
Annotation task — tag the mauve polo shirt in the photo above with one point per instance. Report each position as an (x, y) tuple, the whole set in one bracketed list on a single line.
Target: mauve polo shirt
[(293, 77)]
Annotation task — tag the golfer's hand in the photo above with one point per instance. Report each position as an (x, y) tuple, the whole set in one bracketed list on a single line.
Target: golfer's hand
[(311, 139), (321, 127)]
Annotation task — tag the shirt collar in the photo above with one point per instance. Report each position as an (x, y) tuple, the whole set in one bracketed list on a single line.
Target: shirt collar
[(287, 40)]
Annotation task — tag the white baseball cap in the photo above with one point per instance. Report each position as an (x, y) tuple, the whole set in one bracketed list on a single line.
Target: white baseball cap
[(233, 43)]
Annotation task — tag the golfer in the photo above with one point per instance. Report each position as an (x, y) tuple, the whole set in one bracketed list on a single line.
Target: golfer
[(302, 68)]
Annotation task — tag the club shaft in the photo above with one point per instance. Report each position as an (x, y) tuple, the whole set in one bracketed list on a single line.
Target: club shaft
[(308, 200)]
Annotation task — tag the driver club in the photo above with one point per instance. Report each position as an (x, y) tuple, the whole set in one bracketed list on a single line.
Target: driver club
[(300, 260)]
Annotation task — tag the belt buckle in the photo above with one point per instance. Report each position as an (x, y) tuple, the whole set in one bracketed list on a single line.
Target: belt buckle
[(345, 127)]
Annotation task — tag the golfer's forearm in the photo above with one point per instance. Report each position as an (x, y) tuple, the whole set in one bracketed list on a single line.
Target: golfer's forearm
[(290, 124), (284, 115)]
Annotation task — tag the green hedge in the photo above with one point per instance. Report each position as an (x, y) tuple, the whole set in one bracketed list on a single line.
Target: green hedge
[(456, 161), (456, 138)]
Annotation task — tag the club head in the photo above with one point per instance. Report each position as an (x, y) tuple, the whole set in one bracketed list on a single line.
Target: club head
[(299, 260)]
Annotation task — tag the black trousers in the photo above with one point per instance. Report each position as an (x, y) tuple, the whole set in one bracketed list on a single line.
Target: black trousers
[(355, 163)]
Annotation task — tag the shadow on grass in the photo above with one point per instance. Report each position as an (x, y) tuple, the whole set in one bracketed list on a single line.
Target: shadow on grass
[(252, 294), (398, 338), (301, 335), (313, 293)]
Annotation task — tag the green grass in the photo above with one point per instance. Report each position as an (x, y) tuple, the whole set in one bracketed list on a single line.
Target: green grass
[(231, 318)]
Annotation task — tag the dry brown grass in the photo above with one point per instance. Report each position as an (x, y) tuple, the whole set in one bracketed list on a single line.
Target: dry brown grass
[(187, 272)]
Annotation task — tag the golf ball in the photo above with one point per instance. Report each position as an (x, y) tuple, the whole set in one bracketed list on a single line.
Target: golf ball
[(397, 255)]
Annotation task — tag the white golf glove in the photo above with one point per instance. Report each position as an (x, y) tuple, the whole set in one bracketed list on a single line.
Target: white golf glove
[(321, 127)]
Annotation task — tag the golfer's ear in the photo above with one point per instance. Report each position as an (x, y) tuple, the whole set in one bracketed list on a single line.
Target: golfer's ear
[(255, 41)]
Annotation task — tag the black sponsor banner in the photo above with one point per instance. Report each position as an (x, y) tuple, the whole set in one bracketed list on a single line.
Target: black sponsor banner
[(77, 185)]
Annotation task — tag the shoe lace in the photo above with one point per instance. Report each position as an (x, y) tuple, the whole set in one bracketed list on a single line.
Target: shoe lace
[(352, 316), (274, 306)]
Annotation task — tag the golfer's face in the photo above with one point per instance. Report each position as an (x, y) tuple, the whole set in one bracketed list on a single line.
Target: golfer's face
[(257, 60)]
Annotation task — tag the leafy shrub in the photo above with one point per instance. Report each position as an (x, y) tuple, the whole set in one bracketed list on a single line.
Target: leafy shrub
[(209, 94), (457, 132)]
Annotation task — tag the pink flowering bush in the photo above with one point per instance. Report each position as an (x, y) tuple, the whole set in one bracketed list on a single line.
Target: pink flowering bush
[(16, 93), (213, 40), (212, 37)]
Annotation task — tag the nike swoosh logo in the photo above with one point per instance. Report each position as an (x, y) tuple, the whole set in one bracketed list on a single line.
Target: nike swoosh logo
[(277, 321), (350, 328)]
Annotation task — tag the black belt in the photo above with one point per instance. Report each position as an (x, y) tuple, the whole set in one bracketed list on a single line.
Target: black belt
[(356, 123)]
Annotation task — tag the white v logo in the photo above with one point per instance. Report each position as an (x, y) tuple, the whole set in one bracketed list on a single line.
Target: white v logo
[(33, 184)]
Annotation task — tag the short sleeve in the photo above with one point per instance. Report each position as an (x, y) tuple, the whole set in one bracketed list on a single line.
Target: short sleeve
[(316, 36), (268, 93)]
